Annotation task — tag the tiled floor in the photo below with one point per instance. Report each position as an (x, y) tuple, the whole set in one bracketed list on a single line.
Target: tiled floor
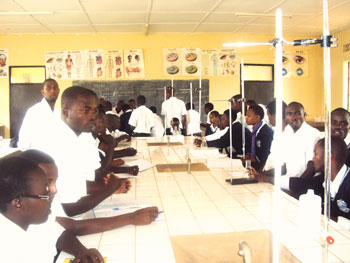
[(203, 203)]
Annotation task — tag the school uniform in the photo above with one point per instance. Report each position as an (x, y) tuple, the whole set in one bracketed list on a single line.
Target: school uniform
[(339, 188), (158, 129), (208, 117), (262, 136), (210, 130), (170, 131), (193, 122), (37, 124), (143, 120), (347, 141), (116, 133), (173, 108), (298, 148), (124, 122)]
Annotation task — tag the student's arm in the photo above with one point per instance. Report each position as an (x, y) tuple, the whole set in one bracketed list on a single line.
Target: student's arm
[(124, 152), (91, 226), (107, 161), (88, 202), (69, 243), (132, 170)]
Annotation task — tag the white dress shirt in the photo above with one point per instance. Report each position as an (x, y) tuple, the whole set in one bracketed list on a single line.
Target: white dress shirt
[(217, 134), (37, 123), (298, 148), (173, 108), (158, 129), (192, 122), (142, 119)]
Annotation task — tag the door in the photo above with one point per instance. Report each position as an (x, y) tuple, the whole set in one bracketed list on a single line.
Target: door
[(259, 82), (25, 86)]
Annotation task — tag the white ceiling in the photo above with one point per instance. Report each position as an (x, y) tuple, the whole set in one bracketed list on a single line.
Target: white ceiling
[(186, 16)]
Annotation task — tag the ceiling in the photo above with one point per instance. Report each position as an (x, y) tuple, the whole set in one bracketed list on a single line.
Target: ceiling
[(170, 16)]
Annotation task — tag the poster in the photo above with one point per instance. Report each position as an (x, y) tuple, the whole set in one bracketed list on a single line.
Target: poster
[(295, 64), (191, 61), (4, 67), (172, 62), (93, 64), (134, 65), (73, 65), (114, 64), (287, 64), (54, 64), (219, 62)]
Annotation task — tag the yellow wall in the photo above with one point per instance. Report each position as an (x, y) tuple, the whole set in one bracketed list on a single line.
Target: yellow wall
[(28, 50)]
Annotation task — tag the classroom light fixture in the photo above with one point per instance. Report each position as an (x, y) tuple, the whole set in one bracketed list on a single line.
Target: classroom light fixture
[(26, 13), (259, 14)]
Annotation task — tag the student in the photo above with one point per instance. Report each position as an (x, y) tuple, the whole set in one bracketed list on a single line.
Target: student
[(158, 129), (299, 140), (262, 136), (141, 120), (208, 108), (108, 108), (113, 126), (132, 104), (89, 226), (72, 153), (175, 128), (173, 108), (40, 118), (214, 118), (25, 199), (119, 107), (340, 121), (124, 119), (192, 121)]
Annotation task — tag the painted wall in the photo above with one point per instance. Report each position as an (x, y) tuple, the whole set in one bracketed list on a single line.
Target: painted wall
[(28, 50)]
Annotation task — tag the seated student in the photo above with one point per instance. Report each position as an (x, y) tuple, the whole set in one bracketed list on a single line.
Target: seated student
[(158, 129), (224, 141), (340, 178), (90, 226), (175, 128), (108, 108), (208, 108), (124, 119), (113, 126), (193, 121), (262, 136), (141, 120), (25, 200), (214, 118), (340, 123), (118, 109)]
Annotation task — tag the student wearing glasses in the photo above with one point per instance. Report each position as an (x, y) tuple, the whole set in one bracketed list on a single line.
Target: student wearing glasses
[(25, 200)]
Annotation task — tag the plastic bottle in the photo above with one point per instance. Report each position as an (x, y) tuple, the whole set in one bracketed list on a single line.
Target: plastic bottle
[(310, 213)]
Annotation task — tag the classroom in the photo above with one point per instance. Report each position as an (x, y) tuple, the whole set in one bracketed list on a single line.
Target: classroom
[(194, 206)]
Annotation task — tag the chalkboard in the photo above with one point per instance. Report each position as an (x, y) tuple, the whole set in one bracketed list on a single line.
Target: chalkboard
[(153, 90)]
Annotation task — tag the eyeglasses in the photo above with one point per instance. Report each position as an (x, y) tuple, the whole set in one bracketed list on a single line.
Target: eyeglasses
[(43, 197)]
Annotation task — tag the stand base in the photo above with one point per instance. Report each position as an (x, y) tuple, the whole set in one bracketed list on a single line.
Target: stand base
[(238, 181)]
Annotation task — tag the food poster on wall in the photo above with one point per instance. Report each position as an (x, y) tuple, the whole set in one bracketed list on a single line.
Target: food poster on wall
[(54, 64), (219, 62), (300, 64), (73, 65), (134, 65), (172, 62), (93, 64), (114, 64), (191, 61), (4, 67), (287, 59)]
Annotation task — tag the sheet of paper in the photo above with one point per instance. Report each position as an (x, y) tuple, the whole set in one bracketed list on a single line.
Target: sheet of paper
[(141, 163)]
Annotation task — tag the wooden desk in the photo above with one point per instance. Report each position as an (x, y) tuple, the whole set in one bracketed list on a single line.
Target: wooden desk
[(203, 203)]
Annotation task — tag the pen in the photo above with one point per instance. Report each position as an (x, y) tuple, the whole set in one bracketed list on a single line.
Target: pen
[(132, 207), (159, 212)]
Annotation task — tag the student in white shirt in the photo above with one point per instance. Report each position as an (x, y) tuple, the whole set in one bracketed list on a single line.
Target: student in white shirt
[(25, 199), (158, 129), (141, 120), (39, 119), (173, 108), (214, 118), (192, 121)]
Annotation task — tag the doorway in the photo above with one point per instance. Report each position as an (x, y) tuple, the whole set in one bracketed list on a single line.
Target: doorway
[(25, 86)]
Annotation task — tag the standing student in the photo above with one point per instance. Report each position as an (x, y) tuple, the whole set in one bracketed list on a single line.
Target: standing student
[(141, 120), (25, 200), (40, 118), (262, 136), (158, 129), (173, 108), (124, 119), (192, 121)]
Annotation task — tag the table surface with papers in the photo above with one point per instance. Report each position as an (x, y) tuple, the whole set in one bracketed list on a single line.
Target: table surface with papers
[(200, 203)]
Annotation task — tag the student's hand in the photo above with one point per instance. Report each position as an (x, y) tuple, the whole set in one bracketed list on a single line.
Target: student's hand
[(91, 255), (144, 216), (124, 187), (117, 162), (113, 182), (133, 170), (125, 137), (197, 142), (310, 170), (130, 152)]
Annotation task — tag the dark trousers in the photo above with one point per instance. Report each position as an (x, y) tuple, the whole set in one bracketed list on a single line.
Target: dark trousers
[(141, 135)]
